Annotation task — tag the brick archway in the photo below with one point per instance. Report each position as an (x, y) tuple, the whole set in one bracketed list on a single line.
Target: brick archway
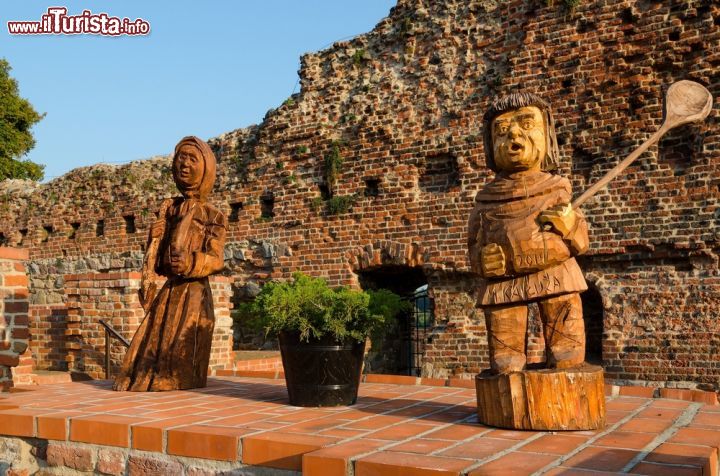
[(385, 253)]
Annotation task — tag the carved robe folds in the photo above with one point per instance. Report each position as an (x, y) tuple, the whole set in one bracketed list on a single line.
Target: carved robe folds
[(171, 349), (539, 263)]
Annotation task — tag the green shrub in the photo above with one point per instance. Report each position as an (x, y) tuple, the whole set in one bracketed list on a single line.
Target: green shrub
[(316, 204), (569, 4), (340, 204), (309, 306), (358, 57)]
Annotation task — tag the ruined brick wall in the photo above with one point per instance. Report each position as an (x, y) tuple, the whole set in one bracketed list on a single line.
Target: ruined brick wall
[(660, 318), (374, 164), (14, 334)]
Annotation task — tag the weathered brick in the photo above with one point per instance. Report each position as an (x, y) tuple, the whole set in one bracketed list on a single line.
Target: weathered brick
[(11, 360), (142, 466), (71, 456), (111, 462), (13, 307)]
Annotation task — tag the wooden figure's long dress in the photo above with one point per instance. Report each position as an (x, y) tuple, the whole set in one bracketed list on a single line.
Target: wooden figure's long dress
[(171, 349)]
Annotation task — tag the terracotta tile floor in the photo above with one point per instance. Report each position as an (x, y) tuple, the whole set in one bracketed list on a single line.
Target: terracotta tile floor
[(393, 430)]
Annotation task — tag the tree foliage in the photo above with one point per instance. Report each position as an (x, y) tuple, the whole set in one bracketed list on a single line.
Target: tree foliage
[(17, 116)]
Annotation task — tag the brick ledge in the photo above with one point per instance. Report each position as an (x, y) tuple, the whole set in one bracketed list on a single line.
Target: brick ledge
[(697, 396)]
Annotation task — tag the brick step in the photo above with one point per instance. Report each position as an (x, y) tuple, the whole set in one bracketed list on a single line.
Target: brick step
[(258, 361), (47, 377), (50, 377)]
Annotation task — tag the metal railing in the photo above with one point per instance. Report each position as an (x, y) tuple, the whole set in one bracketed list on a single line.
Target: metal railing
[(415, 326), (110, 332)]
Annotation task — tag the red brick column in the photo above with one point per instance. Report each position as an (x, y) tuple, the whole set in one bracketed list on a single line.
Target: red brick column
[(221, 355), (14, 334)]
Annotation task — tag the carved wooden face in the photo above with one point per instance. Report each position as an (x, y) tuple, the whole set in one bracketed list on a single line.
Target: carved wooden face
[(519, 139), (189, 168)]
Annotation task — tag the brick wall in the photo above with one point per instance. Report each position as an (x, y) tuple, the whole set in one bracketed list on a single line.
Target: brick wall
[(47, 336), (402, 107), (660, 320), (14, 334), (112, 297), (91, 297), (260, 365)]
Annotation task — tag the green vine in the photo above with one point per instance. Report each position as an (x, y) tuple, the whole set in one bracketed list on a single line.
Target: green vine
[(290, 179), (340, 204), (334, 205), (569, 4), (316, 203), (148, 185), (333, 163), (358, 57), (406, 27)]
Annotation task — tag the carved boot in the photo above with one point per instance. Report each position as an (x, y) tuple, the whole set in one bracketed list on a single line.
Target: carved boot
[(564, 330), (507, 337)]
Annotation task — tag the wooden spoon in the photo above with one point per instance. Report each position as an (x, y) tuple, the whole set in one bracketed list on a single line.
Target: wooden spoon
[(685, 101)]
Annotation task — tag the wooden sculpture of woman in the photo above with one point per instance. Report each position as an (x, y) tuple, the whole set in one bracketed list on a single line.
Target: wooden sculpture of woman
[(171, 349)]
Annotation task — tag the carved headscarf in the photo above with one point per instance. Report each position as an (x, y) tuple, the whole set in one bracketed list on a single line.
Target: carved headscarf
[(208, 157), (516, 101)]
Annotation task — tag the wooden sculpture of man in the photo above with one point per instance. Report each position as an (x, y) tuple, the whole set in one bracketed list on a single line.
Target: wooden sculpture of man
[(171, 349), (522, 238)]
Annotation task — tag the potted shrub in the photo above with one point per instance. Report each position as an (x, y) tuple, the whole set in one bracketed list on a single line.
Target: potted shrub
[(322, 333)]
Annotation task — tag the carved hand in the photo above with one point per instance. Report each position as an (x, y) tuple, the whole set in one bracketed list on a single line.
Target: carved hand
[(157, 229), (493, 261), (180, 261), (561, 219)]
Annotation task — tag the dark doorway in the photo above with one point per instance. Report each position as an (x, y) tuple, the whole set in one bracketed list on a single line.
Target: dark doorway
[(593, 317), (403, 346)]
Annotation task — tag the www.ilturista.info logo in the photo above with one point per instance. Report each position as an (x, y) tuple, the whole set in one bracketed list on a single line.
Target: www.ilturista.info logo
[(57, 22)]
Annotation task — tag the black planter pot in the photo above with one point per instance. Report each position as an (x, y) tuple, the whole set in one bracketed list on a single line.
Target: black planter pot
[(323, 372)]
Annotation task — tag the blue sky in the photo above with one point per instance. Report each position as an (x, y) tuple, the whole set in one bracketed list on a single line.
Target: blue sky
[(206, 68)]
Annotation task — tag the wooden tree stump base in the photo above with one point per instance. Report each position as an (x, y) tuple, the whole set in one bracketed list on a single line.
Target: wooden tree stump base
[(544, 399)]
